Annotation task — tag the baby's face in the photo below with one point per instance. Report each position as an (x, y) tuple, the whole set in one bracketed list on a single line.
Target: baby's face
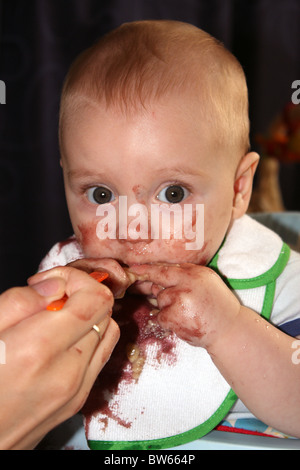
[(161, 156)]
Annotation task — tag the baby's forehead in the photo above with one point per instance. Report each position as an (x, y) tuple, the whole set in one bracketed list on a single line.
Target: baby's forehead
[(163, 141), (174, 119)]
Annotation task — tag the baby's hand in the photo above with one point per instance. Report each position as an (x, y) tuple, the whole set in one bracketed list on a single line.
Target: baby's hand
[(119, 278), (193, 301)]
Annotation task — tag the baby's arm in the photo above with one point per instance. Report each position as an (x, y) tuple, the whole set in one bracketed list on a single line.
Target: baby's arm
[(253, 356)]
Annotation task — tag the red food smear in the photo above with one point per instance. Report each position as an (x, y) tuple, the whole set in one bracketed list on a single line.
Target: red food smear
[(133, 316), (88, 233), (63, 243)]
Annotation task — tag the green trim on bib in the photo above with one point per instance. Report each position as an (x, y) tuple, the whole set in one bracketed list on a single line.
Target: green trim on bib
[(267, 279), (268, 300), (258, 281), (172, 441)]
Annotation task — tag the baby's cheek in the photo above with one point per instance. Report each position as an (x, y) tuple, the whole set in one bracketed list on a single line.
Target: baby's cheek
[(86, 234), (176, 252), (91, 245)]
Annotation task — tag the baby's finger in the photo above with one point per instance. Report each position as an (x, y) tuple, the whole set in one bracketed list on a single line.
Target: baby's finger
[(162, 275), (119, 278), (141, 288)]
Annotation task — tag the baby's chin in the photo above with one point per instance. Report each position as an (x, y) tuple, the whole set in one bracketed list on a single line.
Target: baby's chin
[(130, 253), (134, 260), (143, 255)]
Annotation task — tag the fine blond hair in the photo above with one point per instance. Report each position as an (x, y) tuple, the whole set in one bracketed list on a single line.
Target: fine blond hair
[(144, 61)]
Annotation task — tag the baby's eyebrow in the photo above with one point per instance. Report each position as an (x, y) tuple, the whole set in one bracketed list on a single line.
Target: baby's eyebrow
[(179, 171), (82, 174), (165, 172)]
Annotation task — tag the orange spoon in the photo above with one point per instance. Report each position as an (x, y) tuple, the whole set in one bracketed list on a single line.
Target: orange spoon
[(58, 304)]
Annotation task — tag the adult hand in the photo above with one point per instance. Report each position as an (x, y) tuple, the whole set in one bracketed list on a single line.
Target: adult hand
[(52, 358)]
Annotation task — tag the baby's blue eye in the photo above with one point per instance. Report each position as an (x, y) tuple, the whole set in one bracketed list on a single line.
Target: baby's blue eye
[(173, 194), (100, 195)]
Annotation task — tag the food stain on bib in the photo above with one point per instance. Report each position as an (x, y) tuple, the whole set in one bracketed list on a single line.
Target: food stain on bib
[(140, 332)]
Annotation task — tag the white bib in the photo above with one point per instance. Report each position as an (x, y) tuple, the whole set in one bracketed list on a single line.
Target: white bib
[(168, 393)]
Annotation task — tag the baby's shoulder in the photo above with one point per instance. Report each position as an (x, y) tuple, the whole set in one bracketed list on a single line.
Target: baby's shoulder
[(61, 254)]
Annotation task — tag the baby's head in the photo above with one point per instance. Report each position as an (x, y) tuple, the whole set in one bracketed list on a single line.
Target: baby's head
[(155, 114)]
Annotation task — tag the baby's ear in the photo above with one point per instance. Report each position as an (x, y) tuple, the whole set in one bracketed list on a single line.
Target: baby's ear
[(243, 184)]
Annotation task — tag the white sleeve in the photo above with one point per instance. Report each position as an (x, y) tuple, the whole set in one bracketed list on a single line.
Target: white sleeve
[(286, 308)]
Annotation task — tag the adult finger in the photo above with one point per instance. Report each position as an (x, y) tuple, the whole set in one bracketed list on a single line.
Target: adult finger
[(89, 303), (84, 361), (119, 278), (163, 275), (75, 391), (101, 354), (19, 303), (86, 346)]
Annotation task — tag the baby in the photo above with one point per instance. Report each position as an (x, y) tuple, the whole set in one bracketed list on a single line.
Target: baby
[(155, 116)]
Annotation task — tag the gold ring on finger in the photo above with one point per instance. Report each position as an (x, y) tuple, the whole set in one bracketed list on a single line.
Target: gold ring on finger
[(97, 329)]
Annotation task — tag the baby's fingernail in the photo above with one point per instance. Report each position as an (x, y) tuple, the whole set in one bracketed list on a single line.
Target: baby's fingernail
[(154, 312), (131, 277), (134, 267), (134, 274), (153, 301), (48, 287)]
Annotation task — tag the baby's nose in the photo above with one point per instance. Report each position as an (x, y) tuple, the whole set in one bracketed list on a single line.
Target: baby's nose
[(138, 234), (138, 228), (134, 222)]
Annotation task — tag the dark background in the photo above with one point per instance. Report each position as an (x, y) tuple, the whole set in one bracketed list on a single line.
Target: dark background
[(38, 41)]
